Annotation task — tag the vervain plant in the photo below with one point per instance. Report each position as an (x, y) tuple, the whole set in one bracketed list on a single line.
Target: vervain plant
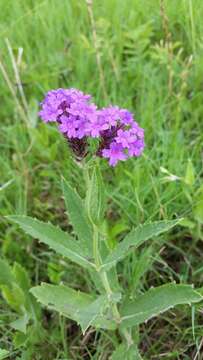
[(94, 133)]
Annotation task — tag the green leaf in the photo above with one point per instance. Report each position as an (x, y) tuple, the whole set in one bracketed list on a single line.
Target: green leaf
[(123, 352), (21, 277), (61, 298), (91, 313), (3, 354), (32, 309), (190, 173), (135, 238), (15, 285), (198, 206), (186, 222), (6, 276), (21, 323), (95, 198), (156, 301), (14, 296), (20, 339), (77, 216), (143, 263), (73, 304), (54, 237)]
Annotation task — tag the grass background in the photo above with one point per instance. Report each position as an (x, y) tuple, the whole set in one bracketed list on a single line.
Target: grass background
[(146, 56)]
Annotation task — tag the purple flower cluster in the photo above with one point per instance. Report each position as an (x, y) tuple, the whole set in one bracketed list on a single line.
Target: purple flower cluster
[(120, 137)]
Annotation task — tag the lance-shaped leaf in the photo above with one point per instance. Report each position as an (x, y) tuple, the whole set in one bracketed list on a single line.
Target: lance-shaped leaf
[(54, 237), (79, 306), (156, 301), (123, 352), (135, 238), (77, 216)]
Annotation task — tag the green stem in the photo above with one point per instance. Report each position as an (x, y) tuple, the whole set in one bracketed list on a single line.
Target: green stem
[(105, 282), (104, 277), (128, 337), (63, 336), (96, 247), (103, 274), (86, 174)]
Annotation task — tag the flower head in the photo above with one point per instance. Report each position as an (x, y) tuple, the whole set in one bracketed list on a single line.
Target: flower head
[(120, 137), (123, 137)]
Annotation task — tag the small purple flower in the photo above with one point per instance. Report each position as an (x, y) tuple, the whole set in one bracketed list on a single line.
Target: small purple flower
[(125, 138), (97, 126), (136, 148), (114, 153), (126, 117), (68, 126), (109, 115)]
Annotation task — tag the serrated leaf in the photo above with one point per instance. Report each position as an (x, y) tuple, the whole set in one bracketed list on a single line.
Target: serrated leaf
[(95, 198), (156, 301), (72, 304), (135, 238), (77, 216), (123, 352), (3, 354), (54, 237)]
